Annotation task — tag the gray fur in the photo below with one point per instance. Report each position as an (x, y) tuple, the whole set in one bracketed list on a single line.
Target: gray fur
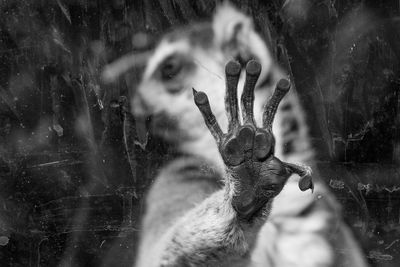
[(189, 219)]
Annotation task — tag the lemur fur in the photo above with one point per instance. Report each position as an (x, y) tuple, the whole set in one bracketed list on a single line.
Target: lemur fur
[(188, 220)]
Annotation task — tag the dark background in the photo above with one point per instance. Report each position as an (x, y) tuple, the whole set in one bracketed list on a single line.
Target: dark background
[(74, 166)]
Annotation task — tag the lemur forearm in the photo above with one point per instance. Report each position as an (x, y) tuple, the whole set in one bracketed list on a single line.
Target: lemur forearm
[(210, 232), (220, 225)]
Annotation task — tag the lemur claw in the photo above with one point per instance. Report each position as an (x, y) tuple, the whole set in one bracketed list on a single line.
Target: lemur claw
[(248, 151)]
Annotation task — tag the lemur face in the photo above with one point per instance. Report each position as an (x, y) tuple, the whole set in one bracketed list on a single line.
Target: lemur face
[(196, 58), (166, 89)]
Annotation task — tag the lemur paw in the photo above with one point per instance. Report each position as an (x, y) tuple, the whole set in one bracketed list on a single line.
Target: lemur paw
[(247, 150)]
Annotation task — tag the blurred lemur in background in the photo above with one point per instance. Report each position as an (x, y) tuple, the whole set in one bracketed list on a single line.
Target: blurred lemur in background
[(230, 198)]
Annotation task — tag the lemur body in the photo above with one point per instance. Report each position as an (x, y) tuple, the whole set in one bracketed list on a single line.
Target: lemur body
[(188, 221)]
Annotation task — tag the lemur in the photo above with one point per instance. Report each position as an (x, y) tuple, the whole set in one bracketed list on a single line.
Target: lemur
[(230, 198)]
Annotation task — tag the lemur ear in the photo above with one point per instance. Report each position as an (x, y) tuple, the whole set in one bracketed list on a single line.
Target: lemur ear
[(234, 33)]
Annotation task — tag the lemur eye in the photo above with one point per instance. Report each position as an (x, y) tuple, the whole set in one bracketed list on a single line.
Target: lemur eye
[(171, 67)]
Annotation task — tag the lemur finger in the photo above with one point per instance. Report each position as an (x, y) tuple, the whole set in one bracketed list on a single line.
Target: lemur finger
[(304, 172), (253, 70), (201, 100), (232, 72), (281, 89)]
